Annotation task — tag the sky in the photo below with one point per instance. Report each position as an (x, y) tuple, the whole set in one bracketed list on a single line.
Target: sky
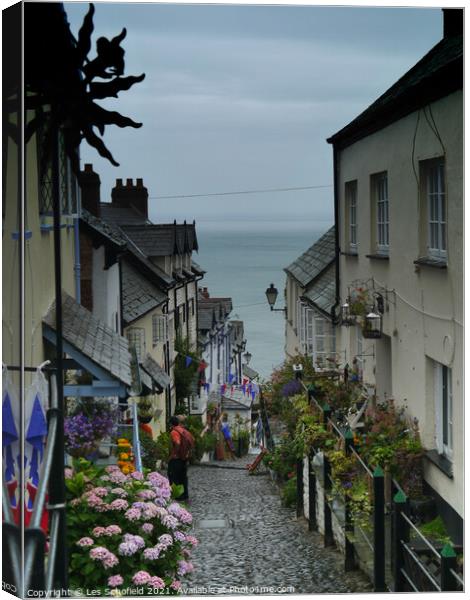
[(243, 98)]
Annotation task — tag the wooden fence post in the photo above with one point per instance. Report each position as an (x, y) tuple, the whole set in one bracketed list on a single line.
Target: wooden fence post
[(300, 486), (328, 539), (312, 495), (379, 531), (401, 535), (448, 562), (349, 557)]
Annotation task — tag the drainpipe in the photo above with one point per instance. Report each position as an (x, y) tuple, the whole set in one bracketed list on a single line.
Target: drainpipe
[(334, 316), (77, 267)]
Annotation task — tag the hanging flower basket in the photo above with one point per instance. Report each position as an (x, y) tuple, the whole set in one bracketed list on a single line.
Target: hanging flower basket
[(85, 450)]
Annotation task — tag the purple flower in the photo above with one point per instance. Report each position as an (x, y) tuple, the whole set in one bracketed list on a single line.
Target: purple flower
[(156, 582), (147, 527), (113, 530), (152, 553), (141, 577), (119, 504), (115, 580), (165, 540), (85, 541), (133, 514)]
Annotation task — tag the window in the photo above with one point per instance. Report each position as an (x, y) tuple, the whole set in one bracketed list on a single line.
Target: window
[(380, 190), (316, 335), (434, 175), (443, 400), (68, 188), (351, 215), (136, 338), (159, 329)]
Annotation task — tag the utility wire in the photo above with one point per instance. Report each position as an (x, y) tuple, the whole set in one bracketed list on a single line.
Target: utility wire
[(264, 191)]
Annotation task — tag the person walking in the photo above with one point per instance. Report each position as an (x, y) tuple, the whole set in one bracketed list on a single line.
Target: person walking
[(182, 444)]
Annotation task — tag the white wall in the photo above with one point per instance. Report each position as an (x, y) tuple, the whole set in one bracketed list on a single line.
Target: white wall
[(106, 292)]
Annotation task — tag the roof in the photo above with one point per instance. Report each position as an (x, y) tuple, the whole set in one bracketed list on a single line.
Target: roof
[(196, 268), (103, 229), (436, 75), (122, 215), (322, 292), (139, 295), (211, 311), (156, 372), (93, 338), (249, 372), (163, 239), (315, 260)]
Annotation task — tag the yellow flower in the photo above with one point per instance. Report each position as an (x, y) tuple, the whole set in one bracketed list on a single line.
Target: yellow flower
[(124, 456)]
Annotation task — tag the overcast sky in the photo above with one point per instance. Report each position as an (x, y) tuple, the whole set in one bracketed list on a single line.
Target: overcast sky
[(244, 97)]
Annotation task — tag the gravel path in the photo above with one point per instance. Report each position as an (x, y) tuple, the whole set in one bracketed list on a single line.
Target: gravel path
[(250, 544)]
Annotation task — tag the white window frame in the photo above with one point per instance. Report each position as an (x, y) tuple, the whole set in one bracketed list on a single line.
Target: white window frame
[(351, 207), (444, 410), (436, 209), (136, 339), (159, 329), (382, 213)]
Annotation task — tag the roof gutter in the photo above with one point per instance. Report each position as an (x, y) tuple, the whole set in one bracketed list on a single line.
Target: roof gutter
[(334, 315)]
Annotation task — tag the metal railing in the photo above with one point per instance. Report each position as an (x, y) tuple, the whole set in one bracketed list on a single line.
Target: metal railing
[(136, 439)]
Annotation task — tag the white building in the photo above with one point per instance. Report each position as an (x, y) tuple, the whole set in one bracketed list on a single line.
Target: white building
[(310, 296), (399, 207)]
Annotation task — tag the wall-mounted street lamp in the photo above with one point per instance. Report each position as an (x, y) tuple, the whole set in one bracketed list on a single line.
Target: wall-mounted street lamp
[(271, 295), (247, 357), (372, 327)]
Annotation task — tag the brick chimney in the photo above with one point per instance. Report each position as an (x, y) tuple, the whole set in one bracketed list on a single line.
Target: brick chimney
[(90, 184), (130, 195), (453, 21)]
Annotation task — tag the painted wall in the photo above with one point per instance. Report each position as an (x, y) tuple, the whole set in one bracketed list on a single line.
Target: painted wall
[(106, 291), (423, 305)]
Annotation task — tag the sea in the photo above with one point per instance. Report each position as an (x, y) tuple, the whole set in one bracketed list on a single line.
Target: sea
[(241, 259)]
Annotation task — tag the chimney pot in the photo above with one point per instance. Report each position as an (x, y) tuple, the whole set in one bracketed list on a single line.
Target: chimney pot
[(129, 182), (118, 182), (88, 167), (139, 182)]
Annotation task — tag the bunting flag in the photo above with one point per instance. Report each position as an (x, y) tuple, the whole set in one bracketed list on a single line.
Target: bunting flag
[(223, 388), (231, 377), (207, 386), (10, 442), (188, 361), (202, 366), (35, 438), (253, 394), (243, 387)]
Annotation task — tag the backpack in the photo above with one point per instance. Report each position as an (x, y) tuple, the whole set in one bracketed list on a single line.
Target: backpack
[(187, 443)]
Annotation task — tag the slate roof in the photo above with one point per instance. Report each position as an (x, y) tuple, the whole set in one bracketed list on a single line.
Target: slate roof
[(110, 233), (437, 74), (139, 295), (156, 372), (93, 338), (312, 262), (249, 372), (196, 268), (122, 215), (212, 310), (163, 239), (322, 292)]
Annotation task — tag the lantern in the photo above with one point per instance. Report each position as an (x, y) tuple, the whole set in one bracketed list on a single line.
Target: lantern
[(271, 295), (372, 327)]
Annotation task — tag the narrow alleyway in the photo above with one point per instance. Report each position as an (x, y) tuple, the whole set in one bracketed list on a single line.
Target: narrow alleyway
[(249, 540)]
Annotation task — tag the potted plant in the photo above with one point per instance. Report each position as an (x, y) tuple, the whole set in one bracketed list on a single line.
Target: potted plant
[(87, 422), (144, 411)]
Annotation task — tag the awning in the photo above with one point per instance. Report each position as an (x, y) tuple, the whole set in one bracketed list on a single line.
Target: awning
[(93, 346), (161, 379)]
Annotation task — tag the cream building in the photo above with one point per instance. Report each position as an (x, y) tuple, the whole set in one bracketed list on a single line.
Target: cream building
[(310, 294), (399, 207)]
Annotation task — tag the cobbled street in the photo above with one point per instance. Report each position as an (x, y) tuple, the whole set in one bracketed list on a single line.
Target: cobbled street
[(247, 539)]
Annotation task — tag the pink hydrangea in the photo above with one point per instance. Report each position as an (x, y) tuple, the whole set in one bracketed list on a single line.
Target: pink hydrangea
[(100, 491), (99, 531), (192, 540), (152, 553), (127, 548), (165, 540), (184, 567), (119, 504), (134, 539), (99, 553), (113, 530), (175, 585), (68, 472), (115, 580), (147, 494), (179, 536), (156, 582), (137, 475), (141, 577), (110, 561), (170, 521), (118, 477), (150, 510), (112, 469), (133, 514), (93, 500), (119, 492), (85, 541), (147, 527)]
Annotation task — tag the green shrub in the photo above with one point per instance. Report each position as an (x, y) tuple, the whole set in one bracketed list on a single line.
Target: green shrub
[(149, 450), (436, 531), (289, 492), (163, 446)]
